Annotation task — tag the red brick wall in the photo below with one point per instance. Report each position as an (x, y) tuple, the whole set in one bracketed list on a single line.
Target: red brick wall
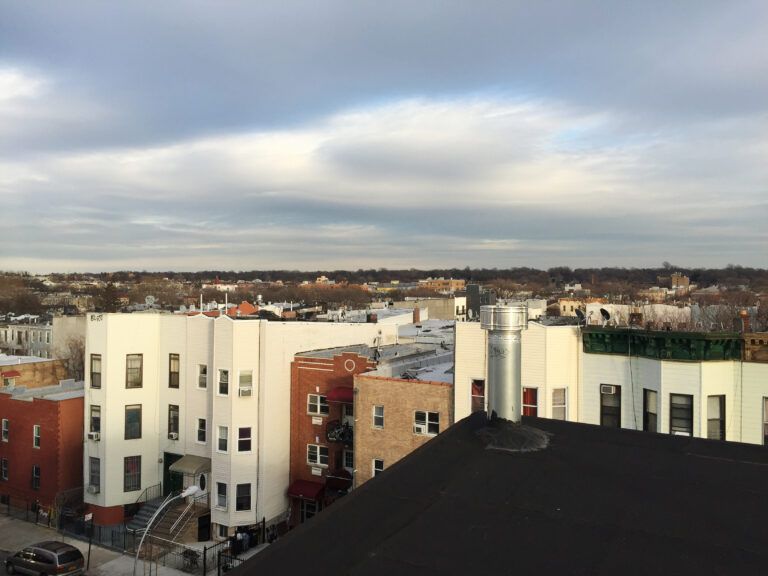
[(61, 447)]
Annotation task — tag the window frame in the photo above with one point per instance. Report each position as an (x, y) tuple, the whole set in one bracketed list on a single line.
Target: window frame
[(202, 376), (97, 476), (606, 411), (765, 420), (204, 430), (379, 416), (430, 421), (528, 408), (4, 469), (242, 439), (5, 430), (222, 438), (647, 413), (92, 419), (137, 372), (374, 470), (131, 479), (36, 474), (177, 427), (563, 406), (95, 373), (477, 401), (174, 375), (677, 430), (223, 380), (721, 420), (320, 401), (219, 495), (319, 455), (239, 498), (128, 408), (249, 384), (36, 436), (348, 454)]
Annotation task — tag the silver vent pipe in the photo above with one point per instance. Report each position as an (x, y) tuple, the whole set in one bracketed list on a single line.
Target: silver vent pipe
[(505, 325)]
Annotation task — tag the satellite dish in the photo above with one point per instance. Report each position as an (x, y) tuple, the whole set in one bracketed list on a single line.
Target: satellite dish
[(149, 300), (580, 314), (605, 314), (182, 308)]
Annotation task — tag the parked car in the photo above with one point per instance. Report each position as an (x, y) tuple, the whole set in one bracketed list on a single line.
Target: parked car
[(46, 559)]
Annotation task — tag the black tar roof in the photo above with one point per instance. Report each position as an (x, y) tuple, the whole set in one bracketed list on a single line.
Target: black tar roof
[(596, 501)]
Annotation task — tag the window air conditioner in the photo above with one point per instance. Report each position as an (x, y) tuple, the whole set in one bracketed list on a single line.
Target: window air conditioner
[(245, 391), (419, 429), (93, 489), (95, 436), (173, 435), (607, 389)]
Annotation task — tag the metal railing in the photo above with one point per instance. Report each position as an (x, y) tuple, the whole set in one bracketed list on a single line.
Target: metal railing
[(150, 493), (200, 502)]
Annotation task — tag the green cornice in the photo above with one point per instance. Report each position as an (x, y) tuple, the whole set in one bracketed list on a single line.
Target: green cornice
[(660, 345)]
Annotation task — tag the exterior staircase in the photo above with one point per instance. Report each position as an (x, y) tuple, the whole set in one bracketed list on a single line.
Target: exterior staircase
[(139, 522)]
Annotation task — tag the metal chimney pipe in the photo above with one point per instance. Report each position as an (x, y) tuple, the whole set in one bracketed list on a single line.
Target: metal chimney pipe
[(505, 325)]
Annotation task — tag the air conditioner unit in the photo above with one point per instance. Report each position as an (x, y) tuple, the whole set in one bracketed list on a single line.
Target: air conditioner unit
[(245, 391), (173, 435), (93, 489), (607, 389), (95, 436), (419, 428)]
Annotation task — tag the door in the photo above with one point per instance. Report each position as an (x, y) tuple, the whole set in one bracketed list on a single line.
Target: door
[(204, 528), (171, 480)]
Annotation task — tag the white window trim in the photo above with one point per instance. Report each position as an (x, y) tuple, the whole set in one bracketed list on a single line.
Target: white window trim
[(218, 382), (373, 417), (426, 423), (36, 430), (565, 402), (373, 466), (226, 496), (197, 431), (207, 377), (319, 456), (319, 404), (219, 437), (250, 438)]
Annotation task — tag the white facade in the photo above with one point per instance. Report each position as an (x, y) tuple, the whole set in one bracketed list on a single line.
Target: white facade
[(550, 361), (263, 349)]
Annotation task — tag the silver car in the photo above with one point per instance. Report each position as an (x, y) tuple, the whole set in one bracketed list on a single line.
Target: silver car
[(46, 559)]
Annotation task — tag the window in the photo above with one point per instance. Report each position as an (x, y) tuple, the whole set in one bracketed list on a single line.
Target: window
[(307, 509), (133, 370), (95, 370), (243, 497), (378, 416), (765, 421), (426, 423), (202, 376), (173, 371), (221, 495), (610, 406), (9, 382), (173, 421), (317, 404), (131, 473), (243, 439), (35, 477), (133, 422), (223, 437), (650, 410), (681, 414), (94, 472), (349, 460), (95, 419), (716, 417), (201, 430), (36, 436), (317, 455), (378, 466), (224, 382), (478, 395), (5, 430), (4, 469), (560, 403), (530, 401), (246, 380)]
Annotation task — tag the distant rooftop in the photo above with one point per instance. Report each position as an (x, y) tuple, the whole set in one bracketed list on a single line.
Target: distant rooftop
[(10, 360), (384, 354), (64, 390)]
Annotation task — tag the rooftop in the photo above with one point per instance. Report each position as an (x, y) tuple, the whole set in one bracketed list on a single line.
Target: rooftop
[(64, 390), (10, 360), (385, 353), (592, 501)]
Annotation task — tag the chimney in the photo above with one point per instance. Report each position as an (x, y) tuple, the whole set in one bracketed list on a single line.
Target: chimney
[(505, 325), (744, 316), (416, 315)]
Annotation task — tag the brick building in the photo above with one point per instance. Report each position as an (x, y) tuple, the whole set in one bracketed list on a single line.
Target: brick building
[(30, 371), (397, 415), (323, 418), (41, 444)]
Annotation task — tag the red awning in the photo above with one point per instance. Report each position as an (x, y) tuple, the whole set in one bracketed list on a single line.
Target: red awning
[(11, 374), (305, 490), (341, 394)]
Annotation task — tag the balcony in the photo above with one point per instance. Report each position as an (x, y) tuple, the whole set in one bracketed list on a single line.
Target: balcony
[(338, 431)]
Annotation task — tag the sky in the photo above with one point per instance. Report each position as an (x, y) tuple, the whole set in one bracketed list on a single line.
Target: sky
[(328, 135)]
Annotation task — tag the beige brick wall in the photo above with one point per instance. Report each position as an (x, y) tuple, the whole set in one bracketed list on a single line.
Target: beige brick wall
[(400, 398)]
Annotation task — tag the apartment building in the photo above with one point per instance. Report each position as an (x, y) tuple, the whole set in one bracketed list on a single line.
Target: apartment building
[(550, 369), (323, 417), (26, 339), (41, 443), (177, 400)]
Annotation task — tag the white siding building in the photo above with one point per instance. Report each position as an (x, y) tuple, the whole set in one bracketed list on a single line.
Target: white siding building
[(160, 387)]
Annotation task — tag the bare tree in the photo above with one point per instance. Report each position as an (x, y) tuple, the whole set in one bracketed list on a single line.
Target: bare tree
[(74, 357)]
